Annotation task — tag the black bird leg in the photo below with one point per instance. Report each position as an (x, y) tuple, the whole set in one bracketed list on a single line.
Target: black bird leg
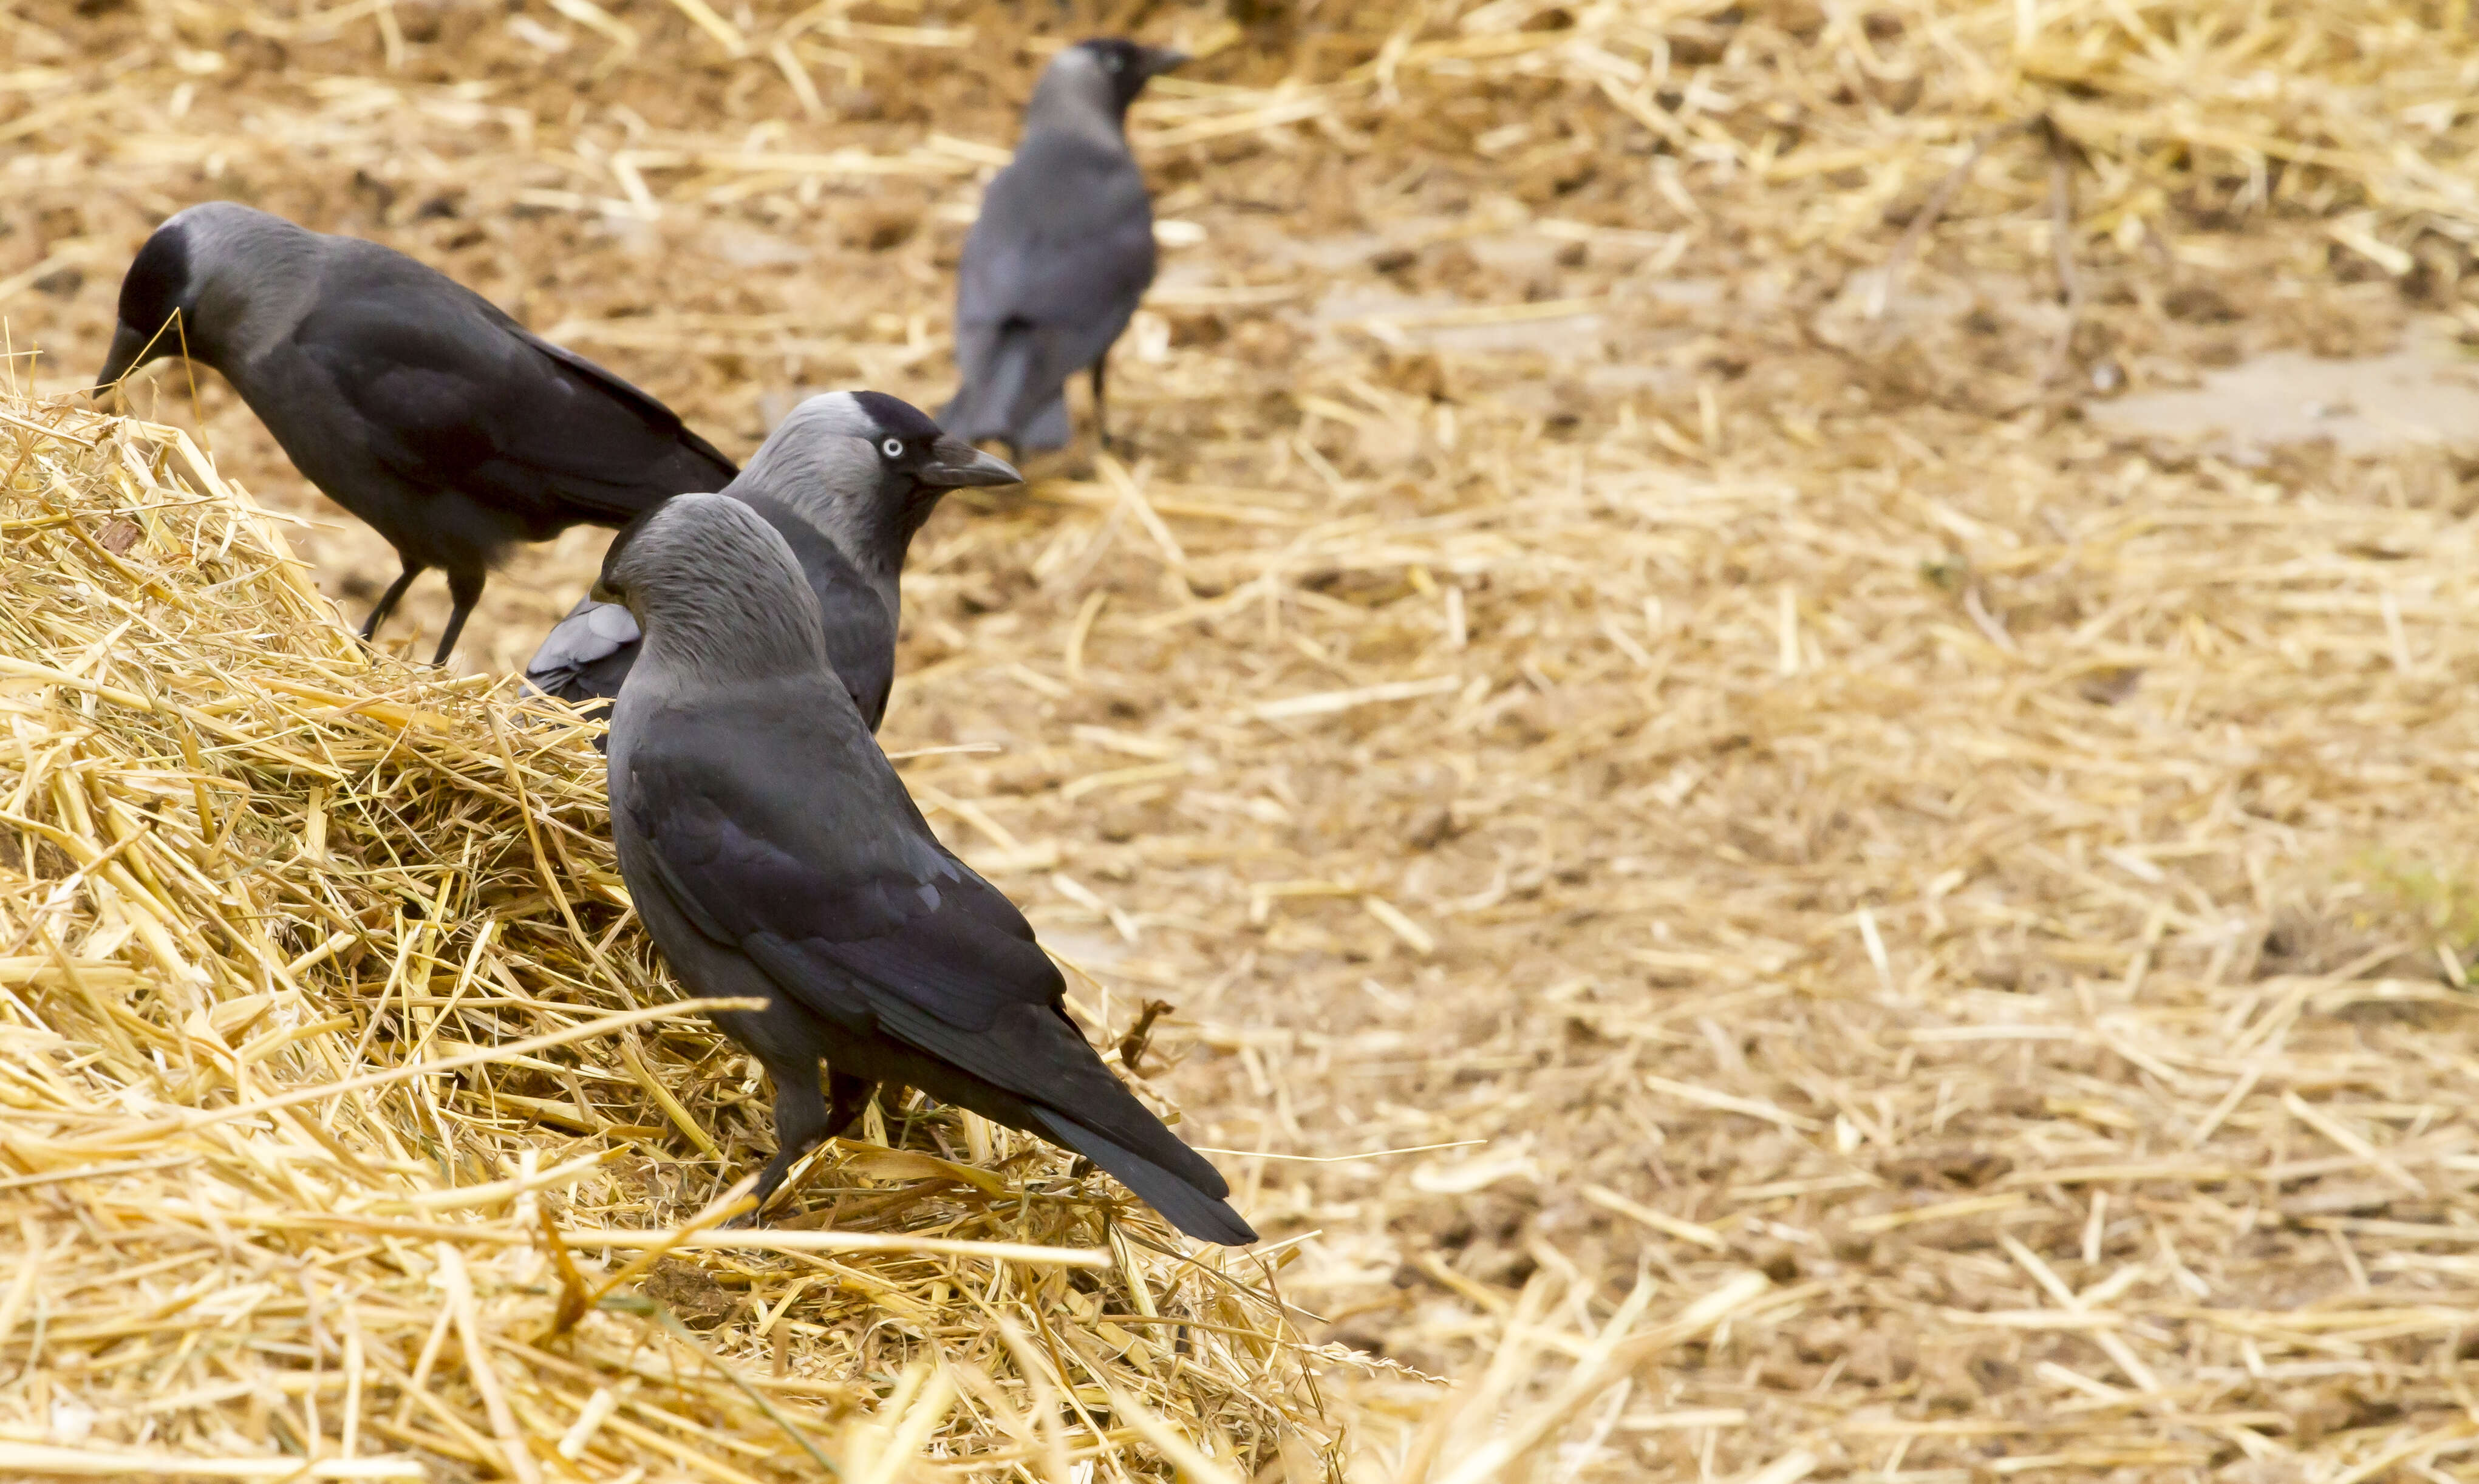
[(803, 1121), (800, 1124), (851, 1095), (388, 600), (1100, 418), (466, 589)]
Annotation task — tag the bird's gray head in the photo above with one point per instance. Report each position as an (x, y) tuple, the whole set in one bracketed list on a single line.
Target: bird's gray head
[(715, 590), (195, 280), (1096, 80), (866, 468)]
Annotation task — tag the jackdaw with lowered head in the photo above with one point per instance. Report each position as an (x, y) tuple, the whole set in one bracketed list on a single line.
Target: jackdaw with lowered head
[(847, 479), (772, 851), (1062, 252), (406, 397)]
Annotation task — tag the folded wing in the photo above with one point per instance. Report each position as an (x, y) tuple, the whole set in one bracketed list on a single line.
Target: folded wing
[(454, 395), (586, 654), (845, 900)]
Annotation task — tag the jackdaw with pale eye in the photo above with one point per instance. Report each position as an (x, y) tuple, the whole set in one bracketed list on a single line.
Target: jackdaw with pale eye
[(1060, 254), (847, 481), (772, 851), (406, 397)]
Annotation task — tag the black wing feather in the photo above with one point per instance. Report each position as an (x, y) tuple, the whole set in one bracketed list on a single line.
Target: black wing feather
[(454, 398), (885, 905), (651, 412)]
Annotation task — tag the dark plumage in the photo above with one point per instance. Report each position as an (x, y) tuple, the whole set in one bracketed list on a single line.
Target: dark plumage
[(1060, 254), (405, 398), (847, 481), (771, 850)]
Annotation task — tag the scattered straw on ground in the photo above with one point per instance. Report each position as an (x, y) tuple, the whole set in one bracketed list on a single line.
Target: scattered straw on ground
[(1934, 933)]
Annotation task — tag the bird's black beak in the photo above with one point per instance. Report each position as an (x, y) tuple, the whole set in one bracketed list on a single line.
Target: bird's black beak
[(127, 346), (955, 464), (1162, 58)]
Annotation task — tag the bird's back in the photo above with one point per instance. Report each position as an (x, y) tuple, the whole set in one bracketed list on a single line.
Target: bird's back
[(786, 756), (396, 389)]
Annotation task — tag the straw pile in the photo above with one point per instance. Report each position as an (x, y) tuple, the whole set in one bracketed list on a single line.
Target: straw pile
[(342, 1107), (1936, 933)]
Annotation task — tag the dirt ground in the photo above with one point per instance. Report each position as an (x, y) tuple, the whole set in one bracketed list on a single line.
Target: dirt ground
[(1732, 760)]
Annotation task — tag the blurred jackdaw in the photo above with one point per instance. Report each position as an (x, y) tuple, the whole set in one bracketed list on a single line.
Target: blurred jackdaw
[(847, 479), (772, 851), (1060, 254), (406, 397)]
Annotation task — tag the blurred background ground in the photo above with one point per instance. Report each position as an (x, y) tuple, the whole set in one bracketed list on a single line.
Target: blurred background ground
[(1661, 626)]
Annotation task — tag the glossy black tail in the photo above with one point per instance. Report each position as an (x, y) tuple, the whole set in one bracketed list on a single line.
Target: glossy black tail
[(1199, 1213)]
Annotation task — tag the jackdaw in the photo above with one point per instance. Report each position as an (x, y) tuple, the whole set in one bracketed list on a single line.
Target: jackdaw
[(771, 850), (406, 397), (1060, 254), (847, 479)]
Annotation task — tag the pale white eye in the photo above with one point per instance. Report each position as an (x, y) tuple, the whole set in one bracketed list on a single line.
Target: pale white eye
[(1111, 60), (893, 448)]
